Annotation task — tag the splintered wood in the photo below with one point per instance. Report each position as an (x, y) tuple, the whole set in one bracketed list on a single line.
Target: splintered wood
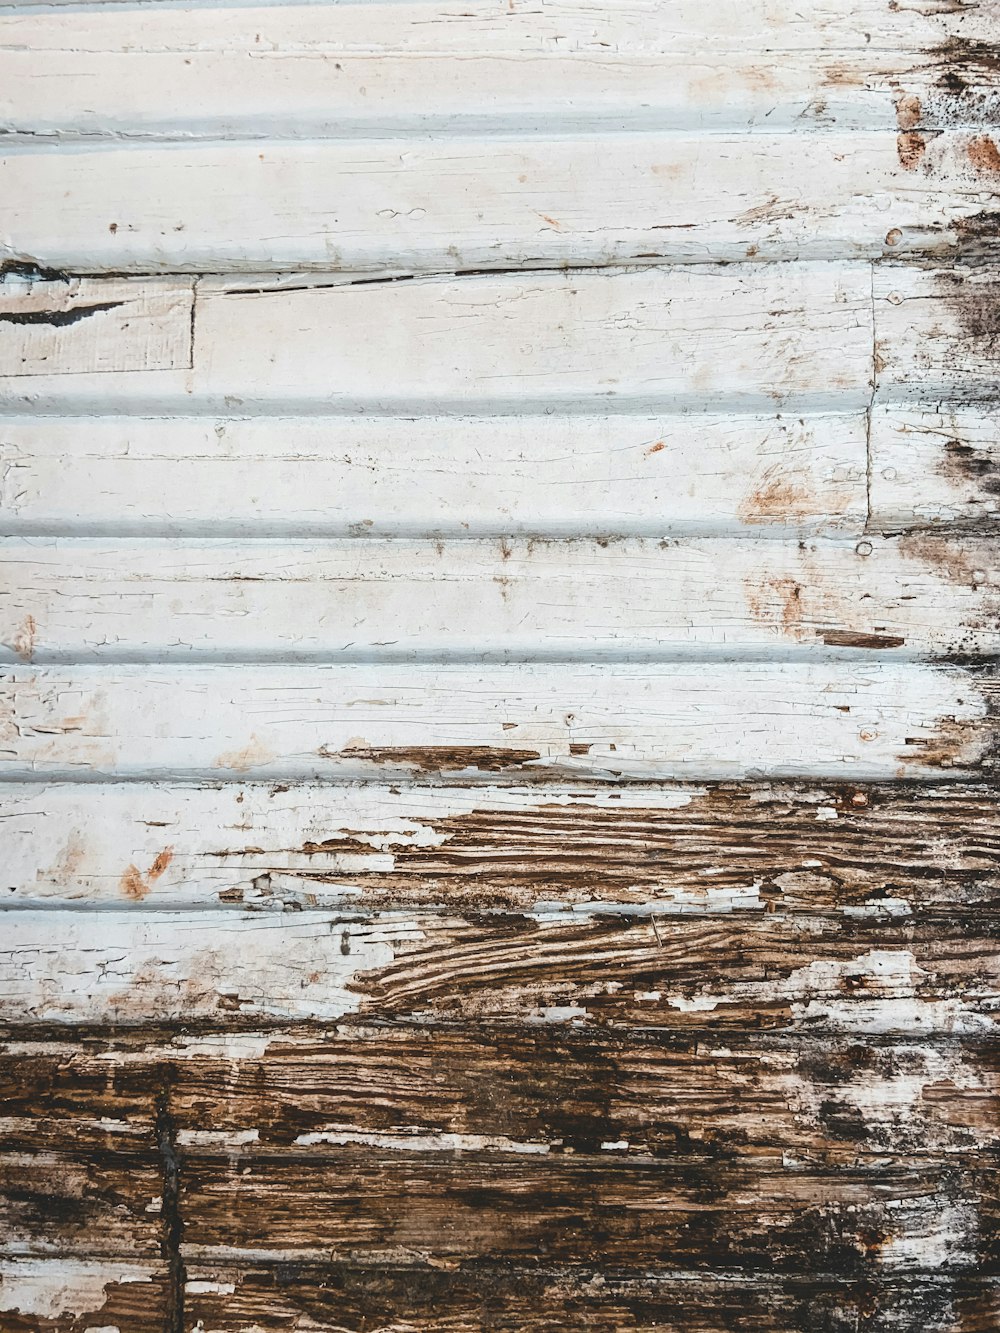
[(499, 705)]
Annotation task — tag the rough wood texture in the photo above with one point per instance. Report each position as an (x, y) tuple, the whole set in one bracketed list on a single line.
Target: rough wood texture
[(553, 1298), (800, 972), (416, 204), (288, 71), (861, 851), (410, 118), (497, 761)]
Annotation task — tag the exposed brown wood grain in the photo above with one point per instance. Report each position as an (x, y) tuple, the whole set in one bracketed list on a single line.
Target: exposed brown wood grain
[(101, 1200), (748, 847), (829, 1216), (551, 1299), (554, 1087)]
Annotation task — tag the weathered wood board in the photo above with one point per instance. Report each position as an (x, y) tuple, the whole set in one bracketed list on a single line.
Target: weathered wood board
[(81, 600), (288, 71), (845, 719), (859, 850), (428, 477), (751, 336), (399, 203), (498, 667)]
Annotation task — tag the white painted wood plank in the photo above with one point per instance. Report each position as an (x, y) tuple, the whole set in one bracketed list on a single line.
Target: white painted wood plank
[(376, 600), (855, 720), (438, 204), (751, 336), (886, 853), (327, 70), (935, 465), (352, 476), (80, 326), (230, 966), (492, 26)]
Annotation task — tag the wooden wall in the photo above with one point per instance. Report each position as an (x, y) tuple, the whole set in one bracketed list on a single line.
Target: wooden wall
[(499, 622)]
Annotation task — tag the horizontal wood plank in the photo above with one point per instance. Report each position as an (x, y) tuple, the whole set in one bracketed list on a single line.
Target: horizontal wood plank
[(796, 972), (437, 204), (820, 1217), (165, 600), (472, 1090), (672, 474), (530, 1299), (429, 477), (289, 70), (850, 720), (588, 342), (748, 337), (662, 26), (877, 851), (510, 1133)]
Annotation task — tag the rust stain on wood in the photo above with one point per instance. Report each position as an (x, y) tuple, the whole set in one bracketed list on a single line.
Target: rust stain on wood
[(778, 498), (24, 640), (984, 154), (136, 886), (910, 148)]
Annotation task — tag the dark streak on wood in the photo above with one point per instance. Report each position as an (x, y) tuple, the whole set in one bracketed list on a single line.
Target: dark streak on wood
[(843, 638), (59, 319), (172, 1226), (438, 758), (95, 1200), (964, 465), (977, 237)]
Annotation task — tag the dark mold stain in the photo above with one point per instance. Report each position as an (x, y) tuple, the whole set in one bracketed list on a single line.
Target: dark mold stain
[(964, 465), (976, 237)]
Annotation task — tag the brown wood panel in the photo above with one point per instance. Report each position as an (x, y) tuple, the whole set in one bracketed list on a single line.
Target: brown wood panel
[(532, 1145), (545, 1088), (546, 1299)]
